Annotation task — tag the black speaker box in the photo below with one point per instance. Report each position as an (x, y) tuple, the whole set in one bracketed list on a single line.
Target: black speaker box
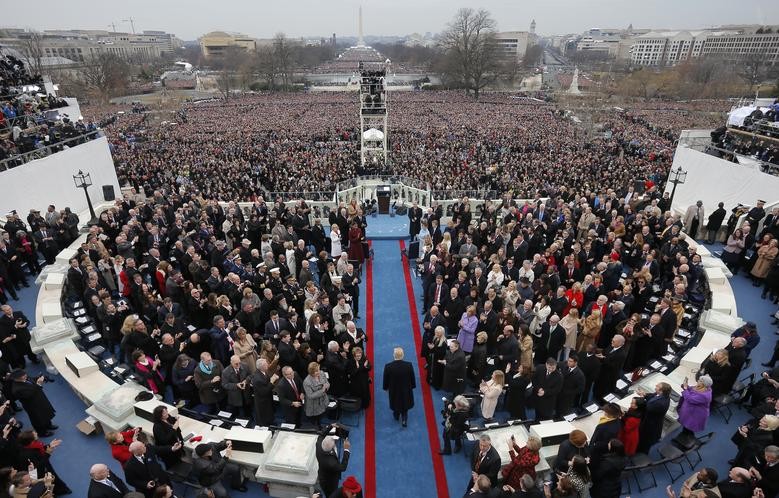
[(108, 193)]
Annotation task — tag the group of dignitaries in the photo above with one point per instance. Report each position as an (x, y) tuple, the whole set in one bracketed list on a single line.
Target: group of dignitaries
[(567, 295), (213, 308)]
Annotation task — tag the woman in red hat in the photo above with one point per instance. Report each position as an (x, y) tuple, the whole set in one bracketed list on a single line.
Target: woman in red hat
[(349, 489)]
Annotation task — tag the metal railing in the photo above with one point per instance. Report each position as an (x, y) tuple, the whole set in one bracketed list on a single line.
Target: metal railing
[(19, 159), (411, 182), (307, 195)]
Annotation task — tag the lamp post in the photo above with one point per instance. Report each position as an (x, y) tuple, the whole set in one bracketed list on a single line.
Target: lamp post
[(676, 176), (85, 181)]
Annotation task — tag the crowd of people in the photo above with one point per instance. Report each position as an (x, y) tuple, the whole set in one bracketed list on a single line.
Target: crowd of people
[(26, 124), (216, 308), (534, 295), (444, 139), (213, 308)]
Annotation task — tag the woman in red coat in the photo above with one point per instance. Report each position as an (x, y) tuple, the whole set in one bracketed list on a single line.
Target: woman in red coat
[(120, 444), (628, 434), (523, 461), (355, 244)]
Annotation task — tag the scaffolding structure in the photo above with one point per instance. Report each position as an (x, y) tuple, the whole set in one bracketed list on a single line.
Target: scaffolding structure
[(373, 115)]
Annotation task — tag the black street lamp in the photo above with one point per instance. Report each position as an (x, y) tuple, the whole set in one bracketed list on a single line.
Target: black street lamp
[(676, 176), (85, 181)]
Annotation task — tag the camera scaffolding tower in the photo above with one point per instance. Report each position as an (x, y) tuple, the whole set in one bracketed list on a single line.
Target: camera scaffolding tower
[(373, 114)]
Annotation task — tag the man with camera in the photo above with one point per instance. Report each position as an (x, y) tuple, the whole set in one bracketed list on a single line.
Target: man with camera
[(15, 337), (456, 416), (34, 401), (210, 468), (330, 467)]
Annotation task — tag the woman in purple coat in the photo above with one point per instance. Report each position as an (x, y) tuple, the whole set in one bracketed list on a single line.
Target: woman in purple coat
[(693, 408), (467, 324)]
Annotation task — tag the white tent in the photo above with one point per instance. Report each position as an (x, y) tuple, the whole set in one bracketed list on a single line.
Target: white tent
[(373, 135)]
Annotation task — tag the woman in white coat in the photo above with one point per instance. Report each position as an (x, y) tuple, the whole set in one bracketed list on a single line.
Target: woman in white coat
[(335, 241), (490, 392)]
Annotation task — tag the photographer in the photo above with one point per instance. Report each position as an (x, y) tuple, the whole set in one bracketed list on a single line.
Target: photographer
[(455, 424), (34, 401), (210, 468), (330, 467)]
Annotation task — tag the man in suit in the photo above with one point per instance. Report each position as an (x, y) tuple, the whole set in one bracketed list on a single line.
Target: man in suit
[(485, 461), (34, 401), (437, 294), (105, 484), (468, 249), (766, 472), (518, 249), (274, 326), (351, 284), (668, 319), (142, 471), (737, 485), (611, 369), (590, 365), (399, 382), (430, 321), (414, 220), (547, 384), (551, 341), (44, 239), (290, 392), (262, 385), (488, 322), (330, 467), (15, 337), (76, 280), (507, 348), (236, 381), (573, 386), (168, 307)]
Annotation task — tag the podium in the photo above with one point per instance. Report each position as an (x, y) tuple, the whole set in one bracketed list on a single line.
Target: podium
[(383, 196)]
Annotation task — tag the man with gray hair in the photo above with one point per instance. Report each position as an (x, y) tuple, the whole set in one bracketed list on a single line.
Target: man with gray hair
[(611, 367), (105, 484), (262, 386), (143, 471), (767, 473), (330, 466), (485, 461)]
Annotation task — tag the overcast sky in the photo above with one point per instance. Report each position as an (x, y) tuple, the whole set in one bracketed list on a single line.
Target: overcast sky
[(262, 18)]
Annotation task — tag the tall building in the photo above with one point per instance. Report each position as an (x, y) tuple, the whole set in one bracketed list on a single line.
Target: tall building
[(514, 44), (608, 43), (215, 43), (81, 45), (668, 48)]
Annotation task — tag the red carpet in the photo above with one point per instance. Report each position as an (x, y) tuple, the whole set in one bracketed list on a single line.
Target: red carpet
[(370, 414), (427, 398)]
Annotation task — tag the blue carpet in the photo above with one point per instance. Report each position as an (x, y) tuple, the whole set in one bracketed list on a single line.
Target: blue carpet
[(403, 459)]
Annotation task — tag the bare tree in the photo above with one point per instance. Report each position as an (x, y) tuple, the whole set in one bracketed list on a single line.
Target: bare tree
[(32, 52), (532, 56), (265, 63), (471, 50), (284, 57), (105, 75), (227, 64), (752, 68)]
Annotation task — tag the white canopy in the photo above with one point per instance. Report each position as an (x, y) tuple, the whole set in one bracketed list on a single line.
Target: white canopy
[(373, 134)]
